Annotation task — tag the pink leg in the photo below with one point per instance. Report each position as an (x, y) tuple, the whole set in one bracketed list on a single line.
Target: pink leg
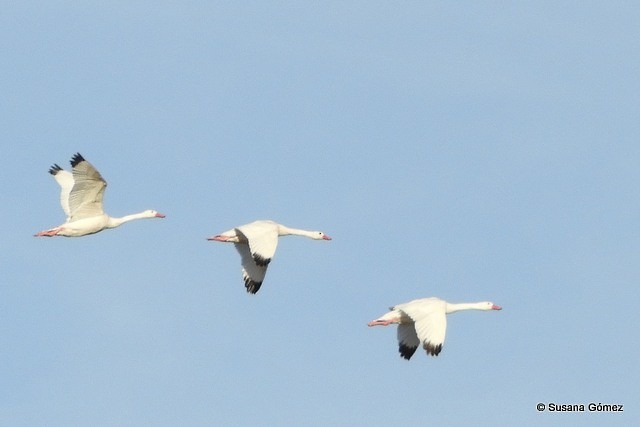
[(383, 322), (219, 238), (48, 233)]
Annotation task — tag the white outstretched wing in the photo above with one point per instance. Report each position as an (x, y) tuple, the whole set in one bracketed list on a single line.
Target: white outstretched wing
[(65, 181), (430, 320), (85, 199), (262, 237), (252, 274)]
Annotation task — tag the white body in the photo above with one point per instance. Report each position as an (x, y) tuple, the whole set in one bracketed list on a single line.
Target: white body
[(81, 193), (257, 242), (424, 322)]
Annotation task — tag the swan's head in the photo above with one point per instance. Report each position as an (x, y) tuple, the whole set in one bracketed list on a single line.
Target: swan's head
[(319, 235), (490, 306), (152, 214)]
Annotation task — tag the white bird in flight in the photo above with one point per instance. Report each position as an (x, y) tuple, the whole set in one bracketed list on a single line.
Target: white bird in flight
[(424, 322), (81, 193), (256, 242)]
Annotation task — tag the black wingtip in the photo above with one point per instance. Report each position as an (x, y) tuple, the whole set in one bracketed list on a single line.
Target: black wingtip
[(77, 158), (252, 287), (261, 261), (431, 349), (53, 170), (406, 351)]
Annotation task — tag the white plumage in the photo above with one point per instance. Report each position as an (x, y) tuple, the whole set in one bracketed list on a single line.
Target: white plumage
[(81, 194), (257, 242), (424, 322)]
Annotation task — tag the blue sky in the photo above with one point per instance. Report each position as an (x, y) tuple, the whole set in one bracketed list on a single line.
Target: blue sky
[(471, 151)]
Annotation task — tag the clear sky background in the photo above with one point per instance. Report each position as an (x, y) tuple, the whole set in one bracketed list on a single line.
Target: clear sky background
[(466, 150)]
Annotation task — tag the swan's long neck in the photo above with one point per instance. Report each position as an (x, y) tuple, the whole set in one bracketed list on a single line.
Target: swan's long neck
[(452, 308), (286, 231), (116, 222)]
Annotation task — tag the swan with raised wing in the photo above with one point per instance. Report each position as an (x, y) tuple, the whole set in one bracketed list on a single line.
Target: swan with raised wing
[(81, 193)]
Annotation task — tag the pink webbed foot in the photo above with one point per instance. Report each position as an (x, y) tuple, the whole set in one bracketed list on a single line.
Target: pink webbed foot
[(219, 238)]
